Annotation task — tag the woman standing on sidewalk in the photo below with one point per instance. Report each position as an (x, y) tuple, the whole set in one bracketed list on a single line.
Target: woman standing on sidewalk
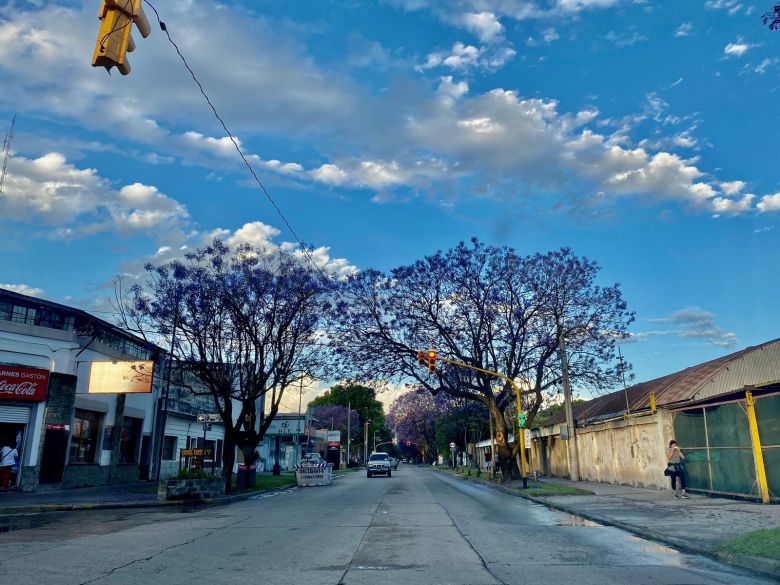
[(674, 468)]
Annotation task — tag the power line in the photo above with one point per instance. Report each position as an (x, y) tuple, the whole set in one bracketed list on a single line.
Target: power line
[(164, 28)]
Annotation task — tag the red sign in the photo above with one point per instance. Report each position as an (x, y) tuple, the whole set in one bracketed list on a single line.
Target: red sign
[(23, 383), (51, 427)]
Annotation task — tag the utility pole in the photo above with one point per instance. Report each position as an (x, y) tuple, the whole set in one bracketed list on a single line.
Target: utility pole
[(349, 436), (164, 402), (574, 464), (623, 374), (365, 437), (298, 433)]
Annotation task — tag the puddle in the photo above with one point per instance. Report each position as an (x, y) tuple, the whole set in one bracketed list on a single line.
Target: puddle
[(14, 523), (573, 521)]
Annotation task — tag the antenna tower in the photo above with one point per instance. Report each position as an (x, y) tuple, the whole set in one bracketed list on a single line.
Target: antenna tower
[(6, 152)]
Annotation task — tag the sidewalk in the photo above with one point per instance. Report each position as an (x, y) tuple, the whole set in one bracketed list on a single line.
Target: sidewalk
[(142, 494), (138, 494), (700, 524)]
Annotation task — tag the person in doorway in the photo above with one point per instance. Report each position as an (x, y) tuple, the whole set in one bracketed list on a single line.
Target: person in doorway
[(675, 457), (8, 457)]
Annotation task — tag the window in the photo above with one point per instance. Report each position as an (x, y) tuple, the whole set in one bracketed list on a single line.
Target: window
[(84, 439), (6, 309), (169, 448), (129, 438), (23, 315)]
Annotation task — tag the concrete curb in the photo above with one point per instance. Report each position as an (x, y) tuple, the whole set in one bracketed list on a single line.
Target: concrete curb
[(766, 567), (224, 500)]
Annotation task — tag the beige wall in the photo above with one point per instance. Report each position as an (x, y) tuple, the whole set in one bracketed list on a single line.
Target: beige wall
[(619, 452)]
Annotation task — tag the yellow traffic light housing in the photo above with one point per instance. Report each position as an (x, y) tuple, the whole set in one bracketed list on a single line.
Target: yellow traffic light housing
[(114, 40), (431, 362), (421, 358)]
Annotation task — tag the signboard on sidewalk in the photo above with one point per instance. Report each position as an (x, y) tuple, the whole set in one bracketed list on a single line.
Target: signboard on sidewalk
[(23, 383)]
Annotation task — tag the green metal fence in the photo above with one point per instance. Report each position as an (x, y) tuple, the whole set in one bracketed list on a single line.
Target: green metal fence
[(718, 447)]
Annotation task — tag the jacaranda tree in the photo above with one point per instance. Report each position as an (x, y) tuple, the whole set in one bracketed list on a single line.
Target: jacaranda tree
[(246, 324), (490, 308)]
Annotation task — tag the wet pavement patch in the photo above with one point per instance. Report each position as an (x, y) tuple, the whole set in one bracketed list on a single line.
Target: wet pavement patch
[(577, 521), (21, 522)]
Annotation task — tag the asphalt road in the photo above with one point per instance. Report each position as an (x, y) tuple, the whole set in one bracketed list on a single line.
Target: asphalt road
[(419, 527)]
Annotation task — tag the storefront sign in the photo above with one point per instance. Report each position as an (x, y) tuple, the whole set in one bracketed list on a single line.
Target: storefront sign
[(197, 452), (120, 377), (334, 438), (23, 383), (51, 427)]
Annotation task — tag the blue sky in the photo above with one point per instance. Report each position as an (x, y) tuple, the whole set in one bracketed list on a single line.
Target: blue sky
[(637, 132)]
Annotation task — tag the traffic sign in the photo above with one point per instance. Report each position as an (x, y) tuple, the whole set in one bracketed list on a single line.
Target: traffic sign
[(208, 417)]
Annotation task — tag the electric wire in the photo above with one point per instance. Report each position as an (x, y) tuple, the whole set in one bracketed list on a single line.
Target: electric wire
[(303, 247)]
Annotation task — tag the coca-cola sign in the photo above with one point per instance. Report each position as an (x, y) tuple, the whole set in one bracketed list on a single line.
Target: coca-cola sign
[(23, 383)]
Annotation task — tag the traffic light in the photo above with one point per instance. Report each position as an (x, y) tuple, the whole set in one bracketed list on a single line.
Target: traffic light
[(521, 419), (431, 362), (421, 358), (114, 40)]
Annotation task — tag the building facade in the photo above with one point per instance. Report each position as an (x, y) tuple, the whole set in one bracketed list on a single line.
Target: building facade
[(725, 415), (66, 437)]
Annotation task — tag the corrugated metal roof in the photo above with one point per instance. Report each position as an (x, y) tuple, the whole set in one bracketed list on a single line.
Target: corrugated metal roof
[(753, 366)]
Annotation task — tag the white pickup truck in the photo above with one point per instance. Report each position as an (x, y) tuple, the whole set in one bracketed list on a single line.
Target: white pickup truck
[(378, 463)]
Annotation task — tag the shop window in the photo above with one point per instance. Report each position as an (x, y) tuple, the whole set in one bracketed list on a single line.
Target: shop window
[(129, 439), (169, 448), (84, 439)]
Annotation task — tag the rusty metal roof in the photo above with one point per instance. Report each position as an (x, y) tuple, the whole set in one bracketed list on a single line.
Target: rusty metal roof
[(753, 366)]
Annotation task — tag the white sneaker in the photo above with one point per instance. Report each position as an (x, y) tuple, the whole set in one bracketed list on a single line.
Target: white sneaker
[(676, 495), (684, 495)]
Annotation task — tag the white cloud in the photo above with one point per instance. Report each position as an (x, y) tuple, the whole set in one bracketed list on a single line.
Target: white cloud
[(464, 57), (23, 289), (769, 203), (50, 190), (737, 49), (485, 25), (731, 6), (330, 174), (625, 39), (762, 67), (684, 29), (257, 234), (695, 324), (732, 187)]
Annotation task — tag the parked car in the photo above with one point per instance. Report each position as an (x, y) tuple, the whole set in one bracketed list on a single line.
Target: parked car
[(378, 463)]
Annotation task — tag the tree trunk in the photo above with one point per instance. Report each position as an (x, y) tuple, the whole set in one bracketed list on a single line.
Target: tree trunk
[(504, 450), (228, 459)]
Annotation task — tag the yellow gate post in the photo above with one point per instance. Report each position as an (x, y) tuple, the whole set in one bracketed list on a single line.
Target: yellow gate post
[(758, 456)]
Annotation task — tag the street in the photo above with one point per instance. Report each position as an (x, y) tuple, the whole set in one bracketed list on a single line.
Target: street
[(418, 527)]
